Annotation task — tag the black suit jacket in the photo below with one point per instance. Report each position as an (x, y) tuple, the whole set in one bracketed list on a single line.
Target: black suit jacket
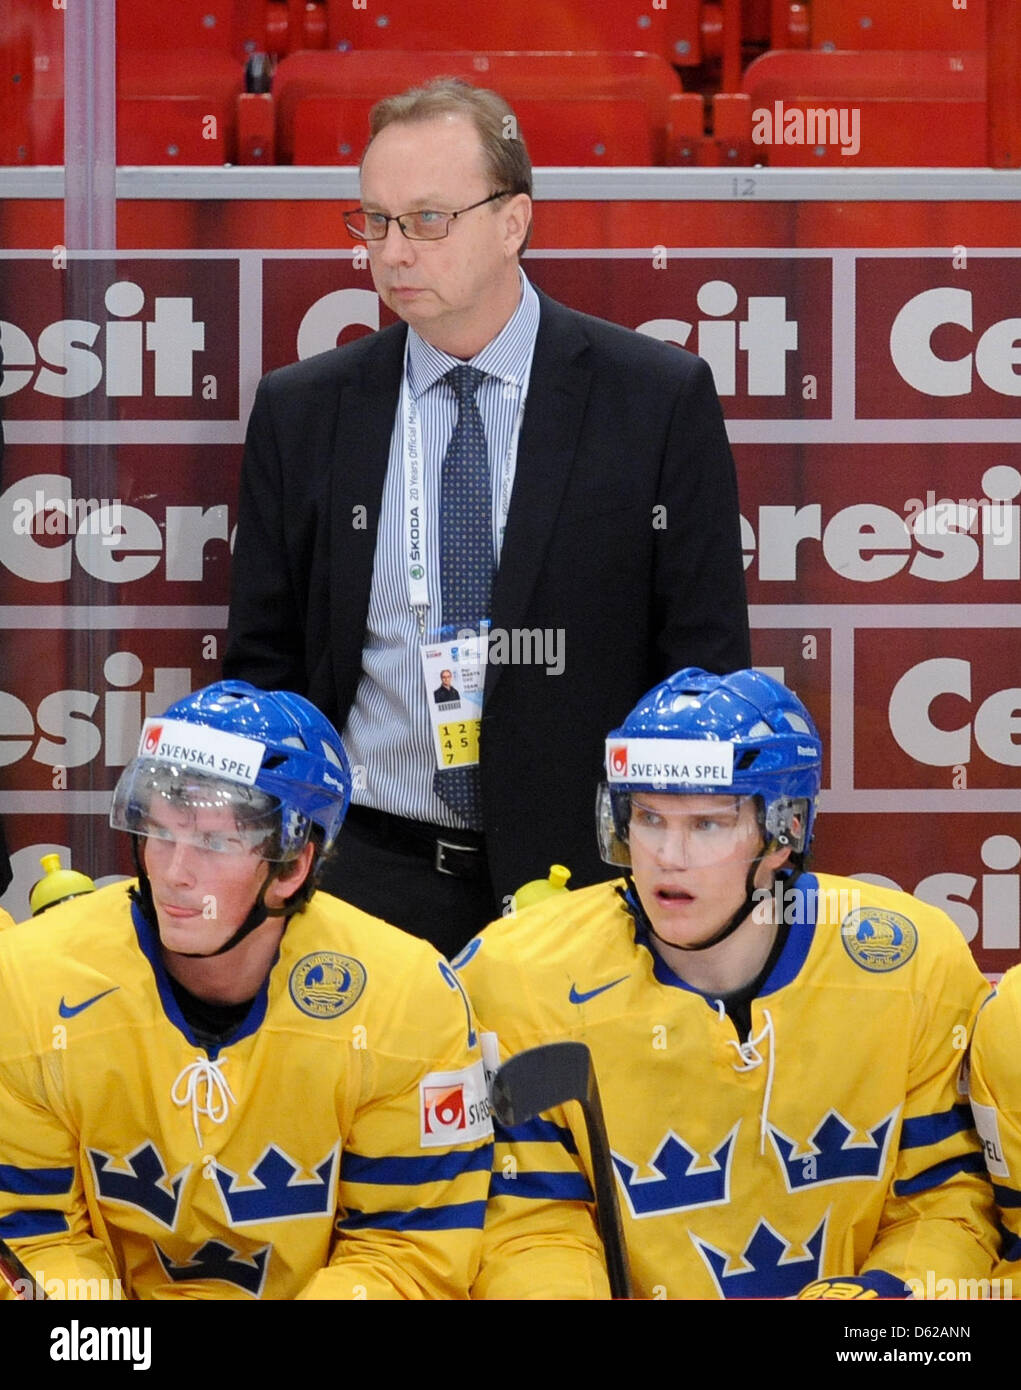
[(623, 535), (6, 873)]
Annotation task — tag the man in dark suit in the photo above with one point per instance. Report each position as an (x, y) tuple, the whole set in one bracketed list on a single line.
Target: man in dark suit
[(613, 520), (6, 873)]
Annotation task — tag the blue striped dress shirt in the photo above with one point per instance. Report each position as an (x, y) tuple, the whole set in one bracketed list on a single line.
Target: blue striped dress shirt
[(388, 735)]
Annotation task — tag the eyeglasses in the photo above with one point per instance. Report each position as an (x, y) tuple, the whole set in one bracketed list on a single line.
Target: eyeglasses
[(426, 225)]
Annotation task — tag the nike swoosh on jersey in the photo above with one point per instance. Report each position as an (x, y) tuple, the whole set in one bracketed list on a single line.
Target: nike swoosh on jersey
[(69, 1010), (582, 997)]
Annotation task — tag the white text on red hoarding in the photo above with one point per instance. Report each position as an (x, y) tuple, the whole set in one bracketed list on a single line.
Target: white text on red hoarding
[(70, 367), (996, 357)]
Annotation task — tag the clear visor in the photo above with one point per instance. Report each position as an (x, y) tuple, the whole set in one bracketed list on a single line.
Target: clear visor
[(686, 832), (715, 832), (696, 830), (162, 801)]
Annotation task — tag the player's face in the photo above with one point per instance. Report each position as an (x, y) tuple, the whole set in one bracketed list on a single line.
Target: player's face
[(204, 877), (690, 857), (447, 288)]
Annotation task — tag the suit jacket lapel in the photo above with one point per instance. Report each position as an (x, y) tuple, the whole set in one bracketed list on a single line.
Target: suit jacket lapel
[(557, 395), (365, 421)]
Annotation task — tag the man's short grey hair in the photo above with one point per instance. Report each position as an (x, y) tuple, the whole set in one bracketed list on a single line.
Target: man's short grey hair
[(504, 155)]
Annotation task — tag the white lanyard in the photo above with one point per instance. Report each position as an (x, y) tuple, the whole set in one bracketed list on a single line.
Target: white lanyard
[(414, 539)]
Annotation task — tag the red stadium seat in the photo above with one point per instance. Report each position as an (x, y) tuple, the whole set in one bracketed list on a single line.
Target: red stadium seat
[(913, 108), (669, 28), (903, 25), (176, 68), (562, 130), (732, 128), (31, 66), (182, 110), (574, 121), (238, 28), (687, 128)]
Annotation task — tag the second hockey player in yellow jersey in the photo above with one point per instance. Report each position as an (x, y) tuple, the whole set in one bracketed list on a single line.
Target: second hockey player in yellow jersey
[(996, 1102), (778, 1052)]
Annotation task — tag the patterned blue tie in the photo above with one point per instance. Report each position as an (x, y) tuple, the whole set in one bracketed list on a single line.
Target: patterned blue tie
[(466, 557)]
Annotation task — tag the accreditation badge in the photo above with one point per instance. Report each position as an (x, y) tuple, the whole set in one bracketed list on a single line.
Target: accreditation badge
[(455, 677)]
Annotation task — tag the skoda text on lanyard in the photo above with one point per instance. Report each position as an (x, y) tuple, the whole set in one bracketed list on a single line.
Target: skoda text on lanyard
[(454, 703)]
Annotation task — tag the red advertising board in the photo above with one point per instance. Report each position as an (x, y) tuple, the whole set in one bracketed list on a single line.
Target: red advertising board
[(871, 398)]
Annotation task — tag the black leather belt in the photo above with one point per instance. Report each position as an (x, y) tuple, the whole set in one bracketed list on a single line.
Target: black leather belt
[(460, 853)]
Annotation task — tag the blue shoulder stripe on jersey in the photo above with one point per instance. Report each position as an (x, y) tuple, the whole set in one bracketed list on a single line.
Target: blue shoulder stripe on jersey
[(793, 956), (931, 1129), (537, 1131), (1011, 1244), (795, 951), (459, 1216), (929, 1178), (21, 1225), (542, 1187), (1006, 1196), (406, 1171), (149, 944), (35, 1182)]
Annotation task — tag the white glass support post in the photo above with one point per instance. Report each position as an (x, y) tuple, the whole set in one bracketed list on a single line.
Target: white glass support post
[(90, 227), (90, 125)]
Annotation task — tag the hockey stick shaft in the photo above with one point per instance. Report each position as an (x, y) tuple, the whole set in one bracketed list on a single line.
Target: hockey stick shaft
[(18, 1278), (604, 1181), (543, 1077)]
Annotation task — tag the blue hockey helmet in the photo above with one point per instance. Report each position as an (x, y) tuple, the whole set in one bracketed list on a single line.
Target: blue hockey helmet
[(740, 735), (270, 758)]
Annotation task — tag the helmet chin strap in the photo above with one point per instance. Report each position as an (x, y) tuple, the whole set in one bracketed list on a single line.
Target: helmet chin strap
[(729, 927), (257, 914)]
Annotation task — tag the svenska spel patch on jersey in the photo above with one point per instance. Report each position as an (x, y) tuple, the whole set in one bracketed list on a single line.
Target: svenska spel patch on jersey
[(670, 762), (454, 1107), (206, 750), (989, 1133)]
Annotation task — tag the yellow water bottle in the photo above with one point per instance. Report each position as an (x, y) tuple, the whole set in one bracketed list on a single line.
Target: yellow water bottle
[(57, 885), (538, 889)]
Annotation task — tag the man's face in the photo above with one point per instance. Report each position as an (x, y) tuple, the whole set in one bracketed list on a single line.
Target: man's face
[(446, 678), (690, 857), (201, 894), (442, 288)]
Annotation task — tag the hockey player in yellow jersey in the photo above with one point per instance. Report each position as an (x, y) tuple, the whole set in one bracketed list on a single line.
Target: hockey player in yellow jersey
[(223, 1084), (778, 1052), (996, 1103)]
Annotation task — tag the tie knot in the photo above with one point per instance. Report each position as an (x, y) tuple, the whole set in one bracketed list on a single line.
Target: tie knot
[(465, 382)]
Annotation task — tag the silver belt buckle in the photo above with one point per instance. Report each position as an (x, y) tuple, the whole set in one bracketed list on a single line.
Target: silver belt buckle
[(441, 847)]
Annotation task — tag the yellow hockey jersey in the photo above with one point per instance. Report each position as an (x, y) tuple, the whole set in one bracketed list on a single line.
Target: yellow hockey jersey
[(996, 1102), (338, 1146), (832, 1141)]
